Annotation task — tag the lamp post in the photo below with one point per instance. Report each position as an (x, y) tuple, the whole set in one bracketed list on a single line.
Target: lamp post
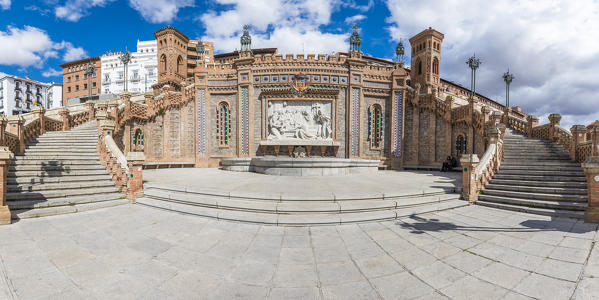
[(507, 77), (125, 59), (89, 71), (399, 52), (473, 63)]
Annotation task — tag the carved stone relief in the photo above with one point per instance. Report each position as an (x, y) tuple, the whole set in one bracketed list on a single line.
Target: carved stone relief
[(304, 120)]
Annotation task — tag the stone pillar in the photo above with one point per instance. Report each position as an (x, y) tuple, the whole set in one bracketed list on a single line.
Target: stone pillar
[(578, 136), (112, 111), (106, 127), (595, 141), (135, 161), (91, 109), (506, 115), (64, 116), (3, 123), (591, 170), (554, 120), (469, 184), (15, 126), (532, 123), (39, 113), (486, 114), (496, 116), (5, 157)]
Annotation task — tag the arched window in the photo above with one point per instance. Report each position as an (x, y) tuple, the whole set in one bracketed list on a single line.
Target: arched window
[(223, 124), (163, 63), (419, 66), (436, 66), (460, 145), (138, 140), (375, 126), (179, 64)]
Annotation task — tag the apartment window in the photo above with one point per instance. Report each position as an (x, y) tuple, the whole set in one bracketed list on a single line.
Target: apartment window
[(76, 88), (375, 126), (223, 124), (85, 86), (106, 77), (69, 79), (68, 89), (76, 77), (94, 85)]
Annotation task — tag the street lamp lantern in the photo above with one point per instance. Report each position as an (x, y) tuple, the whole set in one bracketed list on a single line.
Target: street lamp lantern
[(125, 59), (399, 52), (89, 72), (473, 63), (507, 77)]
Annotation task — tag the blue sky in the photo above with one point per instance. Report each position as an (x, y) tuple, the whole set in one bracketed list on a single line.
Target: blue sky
[(545, 43)]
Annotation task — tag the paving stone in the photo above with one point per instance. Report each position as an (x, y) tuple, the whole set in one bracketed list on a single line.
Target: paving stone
[(502, 275), (462, 241), (543, 287), (560, 269), (295, 276), (520, 260), (294, 293), (439, 274), (578, 243), (378, 266), (228, 290), (402, 285), (356, 290), (296, 241), (588, 288), (569, 254), (441, 249), (467, 262), (252, 273), (414, 258), (296, 256), (338, 272), (472, 288), (191, 284)]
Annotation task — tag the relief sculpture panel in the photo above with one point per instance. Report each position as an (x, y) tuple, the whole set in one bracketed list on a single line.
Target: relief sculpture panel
[(304, 120)]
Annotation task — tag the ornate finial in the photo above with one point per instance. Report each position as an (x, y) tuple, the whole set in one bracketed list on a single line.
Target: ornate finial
[(246, 39), (355, 41), (399, 51)]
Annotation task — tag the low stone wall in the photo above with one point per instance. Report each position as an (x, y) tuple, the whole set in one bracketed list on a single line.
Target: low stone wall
[(286, 166)]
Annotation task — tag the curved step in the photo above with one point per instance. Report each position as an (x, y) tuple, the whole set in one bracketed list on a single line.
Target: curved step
[(56, 173), (62, 179), (59, 210), (16, 188), (66, 201), (43, 195)]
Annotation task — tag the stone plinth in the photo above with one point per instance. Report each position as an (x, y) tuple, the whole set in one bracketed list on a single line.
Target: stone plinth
[(286, 166), (469, 186), (591, 170), (5, 157)]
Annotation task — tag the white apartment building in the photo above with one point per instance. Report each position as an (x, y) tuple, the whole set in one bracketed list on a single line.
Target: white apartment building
[(142, 70), (20, 95)]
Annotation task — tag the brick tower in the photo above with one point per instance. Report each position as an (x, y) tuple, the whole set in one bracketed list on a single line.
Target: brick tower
[(172, 57), (426, 59)]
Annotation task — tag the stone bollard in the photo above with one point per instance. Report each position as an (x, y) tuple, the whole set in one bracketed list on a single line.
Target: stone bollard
[(5, 157), (469, 185), (64, 116), (591, 170), (135, 161), (39, 113), (15, 126)]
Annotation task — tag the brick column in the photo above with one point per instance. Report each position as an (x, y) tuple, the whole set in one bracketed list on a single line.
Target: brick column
[(469, 185), (91, 109), (5, 157), (496, 116), (591, 170), (39, 113), (3, 123), (135, 161), (554, 120), (595, 141), (15, 126), (532, 123), (506, 115), (113, 112), (64, 116), (578, 136)]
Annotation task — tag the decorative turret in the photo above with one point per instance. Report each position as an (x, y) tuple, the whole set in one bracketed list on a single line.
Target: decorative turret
[(355, 41), (246, 39), (426, 59)]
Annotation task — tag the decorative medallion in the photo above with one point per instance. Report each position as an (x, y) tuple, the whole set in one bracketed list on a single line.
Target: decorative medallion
[(299, 84)]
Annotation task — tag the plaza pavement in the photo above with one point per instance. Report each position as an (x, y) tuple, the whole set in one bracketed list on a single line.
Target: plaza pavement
[(136, 252)]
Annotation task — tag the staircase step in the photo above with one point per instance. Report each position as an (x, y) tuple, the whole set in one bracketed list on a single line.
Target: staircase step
[(540, 168), (298, 219), (540, 172), (42, 195), (540, 178), (534, 203), (56, 173), (563, 163), (61, 144), (549, 184), (59, 210), (90, 148), (536, 189), (54, 162), (55, 168), (54, 157), (61, 151), (534, 210), (53, 202), (63, 179), (536, 196), (19, 187)]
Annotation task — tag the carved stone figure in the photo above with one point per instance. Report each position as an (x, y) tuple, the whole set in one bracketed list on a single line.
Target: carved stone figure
[(303, 120)]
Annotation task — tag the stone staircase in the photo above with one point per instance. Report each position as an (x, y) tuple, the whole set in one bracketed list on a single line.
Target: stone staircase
[(60, 172), (537, 176), (288, 210)]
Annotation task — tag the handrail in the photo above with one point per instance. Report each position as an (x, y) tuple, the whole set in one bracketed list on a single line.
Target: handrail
[(115, 152), (485, 160)]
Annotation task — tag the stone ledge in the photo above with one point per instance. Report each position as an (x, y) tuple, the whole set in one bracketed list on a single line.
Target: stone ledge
[(300, 143), (286, 166)]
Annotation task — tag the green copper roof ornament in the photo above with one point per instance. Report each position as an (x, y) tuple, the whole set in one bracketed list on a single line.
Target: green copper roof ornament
[(399, 52), (246, 39), (355, 41)]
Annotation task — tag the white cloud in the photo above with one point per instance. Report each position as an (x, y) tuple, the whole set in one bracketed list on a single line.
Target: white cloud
[(5, 4), (548, 45), (51, 73), (159, 11), (354, 19), (361, 7), (73, 10), (31, 46), (290, 25)]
